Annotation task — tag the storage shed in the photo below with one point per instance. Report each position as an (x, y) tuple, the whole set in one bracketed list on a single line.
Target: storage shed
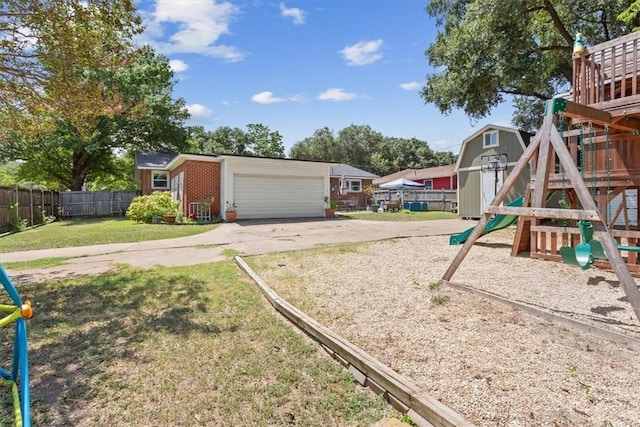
[(485, 159)]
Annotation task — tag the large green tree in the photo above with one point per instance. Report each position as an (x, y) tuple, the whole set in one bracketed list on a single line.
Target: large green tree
[(364, 148), (55, 53), (257, 140), (147, 118), (488, 50)]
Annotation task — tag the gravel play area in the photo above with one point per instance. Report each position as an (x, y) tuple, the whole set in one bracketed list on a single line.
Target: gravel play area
[(496, 365)]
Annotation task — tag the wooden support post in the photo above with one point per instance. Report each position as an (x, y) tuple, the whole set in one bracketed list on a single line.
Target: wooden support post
[(542, 174), (518, 169), (522, 239), (546, 139), (599, 226)]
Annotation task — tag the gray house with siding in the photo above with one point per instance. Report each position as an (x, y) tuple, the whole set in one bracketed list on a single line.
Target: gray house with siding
[(485, 160)]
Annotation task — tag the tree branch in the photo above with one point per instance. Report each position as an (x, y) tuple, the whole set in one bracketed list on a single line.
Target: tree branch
[(603, 21), (523, 93), (554, 47), (557, 22)]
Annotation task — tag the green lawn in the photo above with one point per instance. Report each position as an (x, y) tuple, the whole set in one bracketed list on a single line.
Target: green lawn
[(404, 215), (83, 232), (178, 346)]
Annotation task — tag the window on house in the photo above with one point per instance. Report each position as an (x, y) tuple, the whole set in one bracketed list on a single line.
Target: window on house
[(490, 139), (428, 184), (160, 180), (355, 186)]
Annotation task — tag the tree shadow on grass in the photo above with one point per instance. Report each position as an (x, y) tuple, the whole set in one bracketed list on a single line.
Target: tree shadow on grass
[(83, 326)]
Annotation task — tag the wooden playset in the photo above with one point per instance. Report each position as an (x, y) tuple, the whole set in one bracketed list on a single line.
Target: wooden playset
[(586, 156)]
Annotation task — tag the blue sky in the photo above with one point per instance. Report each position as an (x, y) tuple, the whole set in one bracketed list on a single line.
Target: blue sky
[(298, 66)]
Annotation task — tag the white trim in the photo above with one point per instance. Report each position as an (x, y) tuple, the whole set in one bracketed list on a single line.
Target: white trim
[(489, 135), (181, 158), (164, 172), (425, 184), (480, 132), (349, 190), (470, 169)]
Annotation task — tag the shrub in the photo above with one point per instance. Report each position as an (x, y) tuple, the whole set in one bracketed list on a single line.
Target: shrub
[(17, 224), (144, 208), (38, 215)]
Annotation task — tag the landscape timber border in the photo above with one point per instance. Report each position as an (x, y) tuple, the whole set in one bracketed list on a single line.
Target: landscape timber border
[(404, 395)]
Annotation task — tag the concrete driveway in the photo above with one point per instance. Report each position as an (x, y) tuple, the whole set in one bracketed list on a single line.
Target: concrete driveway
[(251, 237)]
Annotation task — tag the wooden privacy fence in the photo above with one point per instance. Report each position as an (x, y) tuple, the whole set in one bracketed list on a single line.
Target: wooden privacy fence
[(95, 203), (419, 199), (28, 204), (18, 204)]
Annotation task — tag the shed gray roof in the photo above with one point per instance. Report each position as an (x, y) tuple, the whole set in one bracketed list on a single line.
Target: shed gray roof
[(153, 159), (340, 169)]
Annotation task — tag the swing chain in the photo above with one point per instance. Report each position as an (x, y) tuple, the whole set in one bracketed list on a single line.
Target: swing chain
[(608, 168)]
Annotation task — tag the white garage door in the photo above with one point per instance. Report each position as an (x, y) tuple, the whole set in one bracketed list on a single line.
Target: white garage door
[(260, 196)]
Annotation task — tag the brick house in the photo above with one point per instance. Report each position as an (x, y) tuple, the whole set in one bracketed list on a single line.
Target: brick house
[(355, 181), (259, 187)]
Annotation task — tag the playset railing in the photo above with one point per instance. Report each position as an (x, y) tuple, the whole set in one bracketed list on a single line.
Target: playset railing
[(606, 76)]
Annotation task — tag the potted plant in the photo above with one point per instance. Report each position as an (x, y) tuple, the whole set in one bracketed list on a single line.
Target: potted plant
[(230, 212), (169, 218), (171, 213), (330, 210)]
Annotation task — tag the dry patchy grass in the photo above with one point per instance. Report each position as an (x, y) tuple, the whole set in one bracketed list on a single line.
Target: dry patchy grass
[(179, 346)]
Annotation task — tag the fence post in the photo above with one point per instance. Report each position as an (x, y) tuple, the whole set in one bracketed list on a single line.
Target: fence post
[(31, 205)]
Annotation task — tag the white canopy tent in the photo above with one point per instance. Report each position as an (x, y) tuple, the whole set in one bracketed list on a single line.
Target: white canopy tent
[(400, 183)]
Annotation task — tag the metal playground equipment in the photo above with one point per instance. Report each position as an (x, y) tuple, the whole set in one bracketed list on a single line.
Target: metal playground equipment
[(18, 378)]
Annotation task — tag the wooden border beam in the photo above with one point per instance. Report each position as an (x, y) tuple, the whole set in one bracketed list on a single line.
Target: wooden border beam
[(404, 390)]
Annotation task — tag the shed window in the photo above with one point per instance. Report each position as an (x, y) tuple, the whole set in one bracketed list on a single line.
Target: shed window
[(160, 180), (428, 184), (490, 139), (355, 186)]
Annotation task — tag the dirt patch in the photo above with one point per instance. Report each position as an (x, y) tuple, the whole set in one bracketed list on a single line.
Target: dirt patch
[(494, 364)]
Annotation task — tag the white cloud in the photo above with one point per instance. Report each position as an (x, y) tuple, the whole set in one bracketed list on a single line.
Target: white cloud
[(267, 97), (292, 12), (336, 94), (199, 111), (200, 23), (362, 53), (178, 66), (411, 85)]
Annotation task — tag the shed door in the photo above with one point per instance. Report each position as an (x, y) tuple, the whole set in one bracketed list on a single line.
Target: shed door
[(263, 196), (491, 181)]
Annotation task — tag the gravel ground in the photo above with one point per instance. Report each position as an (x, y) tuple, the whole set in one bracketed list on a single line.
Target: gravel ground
[(496, 365)]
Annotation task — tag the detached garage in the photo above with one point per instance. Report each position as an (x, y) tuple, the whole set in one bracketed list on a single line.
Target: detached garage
[(274, 188), (263, 196), (259, 187)]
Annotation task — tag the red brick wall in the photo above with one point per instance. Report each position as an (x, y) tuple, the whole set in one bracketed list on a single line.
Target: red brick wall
[(202, 181), (361, 198)]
